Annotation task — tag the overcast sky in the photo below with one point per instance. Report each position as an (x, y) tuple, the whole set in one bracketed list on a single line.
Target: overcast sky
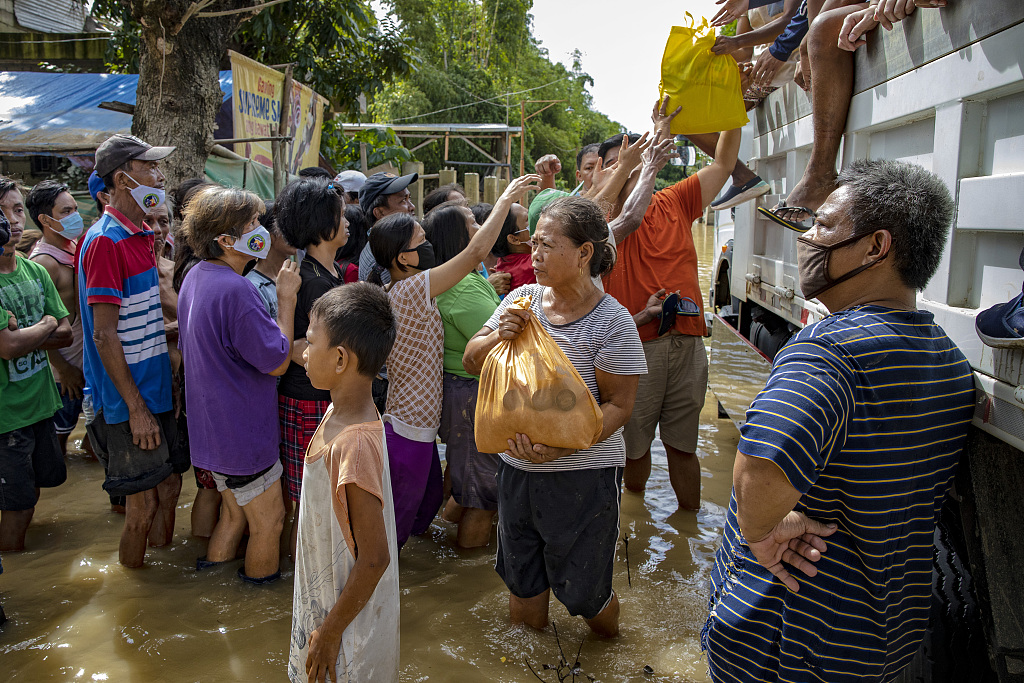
[(622, 43)]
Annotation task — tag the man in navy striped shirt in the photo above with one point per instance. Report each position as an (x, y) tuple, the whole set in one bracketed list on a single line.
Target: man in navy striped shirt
[(847, 453)]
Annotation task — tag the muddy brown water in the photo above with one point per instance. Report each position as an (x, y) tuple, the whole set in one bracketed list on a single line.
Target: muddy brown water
[(74, 613)]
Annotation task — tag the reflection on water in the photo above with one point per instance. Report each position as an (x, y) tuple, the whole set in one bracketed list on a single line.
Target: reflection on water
[(75, 613)]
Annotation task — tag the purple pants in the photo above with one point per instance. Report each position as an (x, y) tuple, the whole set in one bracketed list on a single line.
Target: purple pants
[(417, 484)]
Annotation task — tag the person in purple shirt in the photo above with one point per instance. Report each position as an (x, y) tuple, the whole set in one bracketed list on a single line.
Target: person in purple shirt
[(232, 351)]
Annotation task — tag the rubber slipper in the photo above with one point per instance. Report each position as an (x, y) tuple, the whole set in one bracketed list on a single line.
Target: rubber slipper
[(773, 215), (668, 313)]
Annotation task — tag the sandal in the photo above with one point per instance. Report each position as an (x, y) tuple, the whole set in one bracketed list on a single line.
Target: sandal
[(773, 215), (668, 313)]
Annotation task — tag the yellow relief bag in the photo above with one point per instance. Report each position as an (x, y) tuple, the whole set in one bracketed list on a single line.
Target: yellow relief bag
[(528, 386), (705, 84)]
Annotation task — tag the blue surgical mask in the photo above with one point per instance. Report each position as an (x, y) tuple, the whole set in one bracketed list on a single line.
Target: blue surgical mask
[(72, 226)]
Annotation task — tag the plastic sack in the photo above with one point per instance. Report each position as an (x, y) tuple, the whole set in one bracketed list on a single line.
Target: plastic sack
[(528, 386), (705, 84)]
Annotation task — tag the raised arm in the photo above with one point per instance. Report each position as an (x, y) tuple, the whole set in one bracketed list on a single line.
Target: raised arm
[(547, 167), (450, 273), (288, 283), (635, 206), (713, 177), (761, 36)]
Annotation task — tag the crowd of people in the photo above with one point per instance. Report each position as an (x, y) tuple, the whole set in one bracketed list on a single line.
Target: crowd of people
[(305, 357)]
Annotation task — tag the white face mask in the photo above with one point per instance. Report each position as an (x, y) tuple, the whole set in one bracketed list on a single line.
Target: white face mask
[(255, 243), (148, 198)]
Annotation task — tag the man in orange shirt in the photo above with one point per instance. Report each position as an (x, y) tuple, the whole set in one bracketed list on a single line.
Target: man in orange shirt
[(660, 257)]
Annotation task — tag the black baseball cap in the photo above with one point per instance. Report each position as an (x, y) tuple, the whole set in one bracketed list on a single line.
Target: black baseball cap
[(384, 183), (120, 149)]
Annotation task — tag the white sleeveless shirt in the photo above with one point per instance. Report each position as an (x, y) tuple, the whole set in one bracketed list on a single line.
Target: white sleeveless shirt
[(324, 560)]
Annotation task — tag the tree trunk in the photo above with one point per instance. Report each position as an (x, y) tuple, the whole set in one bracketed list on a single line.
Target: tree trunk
[(179, 93)]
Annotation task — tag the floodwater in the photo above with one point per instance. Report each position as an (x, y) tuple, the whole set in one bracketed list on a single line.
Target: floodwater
[(75, 613)]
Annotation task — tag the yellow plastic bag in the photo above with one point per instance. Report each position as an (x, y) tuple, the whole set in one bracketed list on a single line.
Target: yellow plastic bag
[(705, 84), (528, 386)]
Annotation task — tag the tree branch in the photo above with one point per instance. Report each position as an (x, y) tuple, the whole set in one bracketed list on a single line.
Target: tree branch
[(255, 9)]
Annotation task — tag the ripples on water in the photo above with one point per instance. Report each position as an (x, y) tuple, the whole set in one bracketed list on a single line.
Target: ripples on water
[(76, 614)]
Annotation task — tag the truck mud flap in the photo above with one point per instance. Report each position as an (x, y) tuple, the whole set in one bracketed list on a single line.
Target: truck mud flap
[(737, 371)]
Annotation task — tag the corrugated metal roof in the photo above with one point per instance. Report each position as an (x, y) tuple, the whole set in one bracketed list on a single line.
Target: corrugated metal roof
[(52, 16)]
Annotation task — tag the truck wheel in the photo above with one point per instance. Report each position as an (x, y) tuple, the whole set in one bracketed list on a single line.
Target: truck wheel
[(954, 648)]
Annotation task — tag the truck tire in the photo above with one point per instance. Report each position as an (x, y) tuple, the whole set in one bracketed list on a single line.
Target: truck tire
[(954, 648)]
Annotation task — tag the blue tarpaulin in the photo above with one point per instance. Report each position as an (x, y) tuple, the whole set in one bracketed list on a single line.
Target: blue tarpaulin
[(55, 113)]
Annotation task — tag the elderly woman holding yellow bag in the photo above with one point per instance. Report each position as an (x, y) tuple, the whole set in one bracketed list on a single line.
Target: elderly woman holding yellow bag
[(558, 509)]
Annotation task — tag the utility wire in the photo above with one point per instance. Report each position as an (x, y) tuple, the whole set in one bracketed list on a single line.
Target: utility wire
[(487, 101)]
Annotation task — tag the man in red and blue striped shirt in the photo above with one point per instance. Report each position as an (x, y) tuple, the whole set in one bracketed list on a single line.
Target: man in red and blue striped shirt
[(126, 364)]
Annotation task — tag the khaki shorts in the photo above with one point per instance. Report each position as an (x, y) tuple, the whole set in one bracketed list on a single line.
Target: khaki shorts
[(670, 396)]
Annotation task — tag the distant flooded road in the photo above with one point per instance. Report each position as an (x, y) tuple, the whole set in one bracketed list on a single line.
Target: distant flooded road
[(74, 613)]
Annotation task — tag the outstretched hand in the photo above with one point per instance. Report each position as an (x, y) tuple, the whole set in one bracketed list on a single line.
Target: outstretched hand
[(765, 68), (797, 541), (518, 188), (733, 10), (663, 120), (661, 150), (631, 155)]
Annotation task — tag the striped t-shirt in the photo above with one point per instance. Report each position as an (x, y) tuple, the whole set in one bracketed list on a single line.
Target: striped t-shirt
[(117, 265), (866, 413), (605, 339)]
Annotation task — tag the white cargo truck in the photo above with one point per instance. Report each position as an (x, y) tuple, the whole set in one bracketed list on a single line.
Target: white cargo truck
[(944, 89)]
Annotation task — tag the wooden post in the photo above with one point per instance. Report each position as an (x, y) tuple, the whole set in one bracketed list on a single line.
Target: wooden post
[(446, 176), (502, 184), (362, 157), (522, 137), (416, 189), (490, 189), (472, 184), (277, 146)]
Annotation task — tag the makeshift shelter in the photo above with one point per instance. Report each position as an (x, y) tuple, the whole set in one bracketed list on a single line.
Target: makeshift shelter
[(59, 114)]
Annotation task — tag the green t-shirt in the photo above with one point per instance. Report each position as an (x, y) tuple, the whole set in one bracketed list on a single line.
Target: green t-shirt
[(464, 310), (28, 393)]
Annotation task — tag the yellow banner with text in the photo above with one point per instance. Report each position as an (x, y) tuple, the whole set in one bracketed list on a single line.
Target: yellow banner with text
[(256, 92)]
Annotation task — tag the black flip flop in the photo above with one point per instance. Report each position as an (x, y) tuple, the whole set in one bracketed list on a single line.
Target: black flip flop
[(668, 313), (772, 215)]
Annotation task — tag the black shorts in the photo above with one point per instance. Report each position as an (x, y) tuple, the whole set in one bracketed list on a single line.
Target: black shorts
[(558, 530), (30, 458), (129, 468)]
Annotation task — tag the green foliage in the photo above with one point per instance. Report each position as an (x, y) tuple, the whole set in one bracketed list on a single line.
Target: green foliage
[(382, 146), (337, 47), (477, 60), (728, 30), (430, 61), (122, 54)]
